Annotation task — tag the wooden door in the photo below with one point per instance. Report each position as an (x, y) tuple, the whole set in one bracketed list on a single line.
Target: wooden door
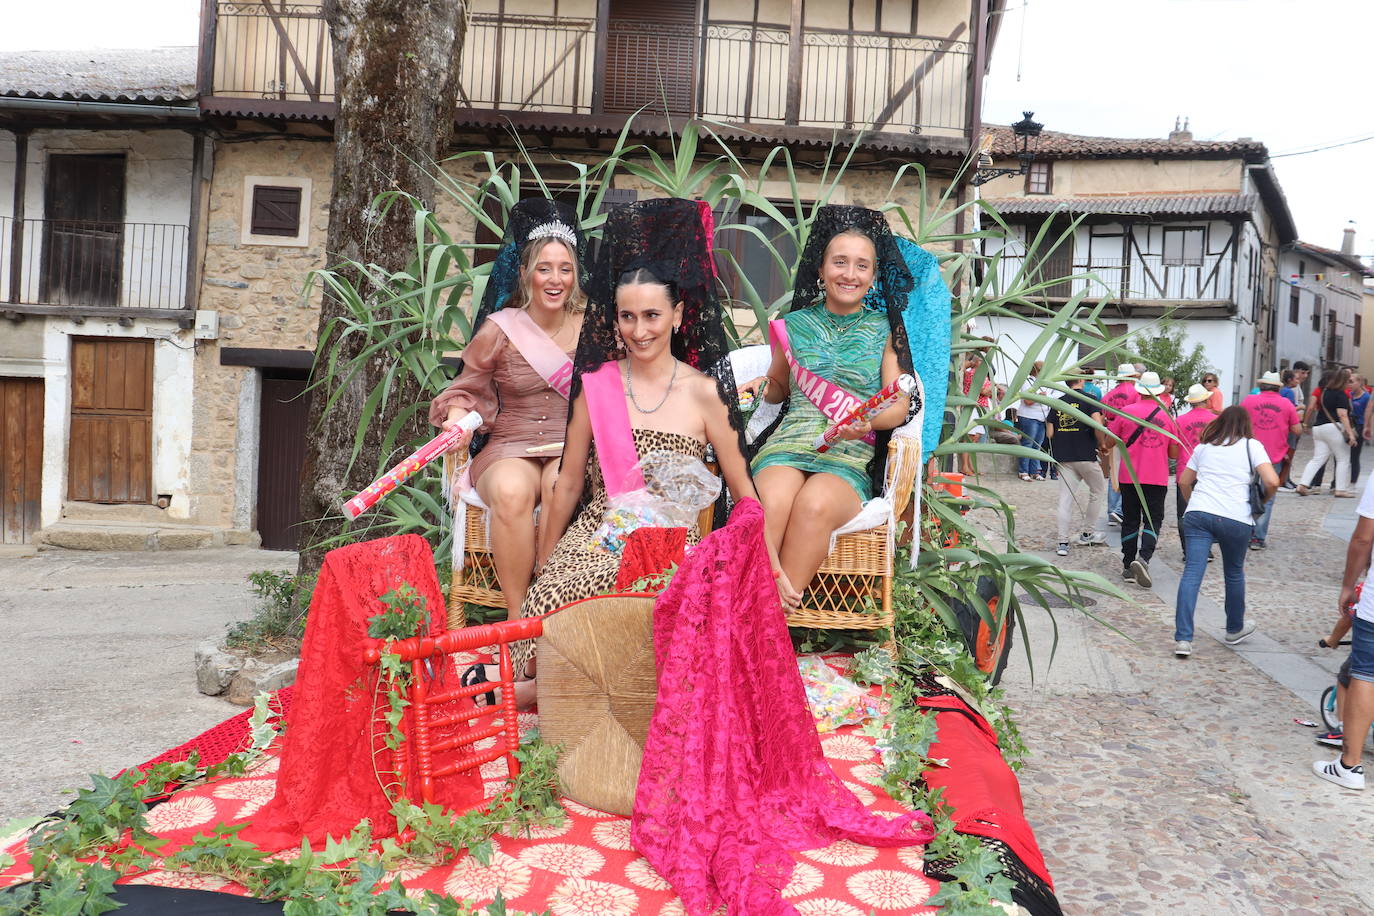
[(110, 450), (83, 230), (21, 458), (281, 455), (651, 56), (1058, 262)]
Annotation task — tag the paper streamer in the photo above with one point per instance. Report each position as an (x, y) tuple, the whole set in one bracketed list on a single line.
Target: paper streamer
[(379, 488), (902, 386)]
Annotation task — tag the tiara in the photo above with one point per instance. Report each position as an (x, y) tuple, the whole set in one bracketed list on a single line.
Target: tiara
[(554, 230)]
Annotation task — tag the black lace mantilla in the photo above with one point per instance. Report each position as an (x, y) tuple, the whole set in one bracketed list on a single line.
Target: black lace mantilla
[(668, 237)]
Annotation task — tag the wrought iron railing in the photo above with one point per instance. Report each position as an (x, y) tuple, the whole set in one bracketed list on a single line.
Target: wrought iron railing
[(94, 264), (734, 71), (272, 51), (1141, 278)]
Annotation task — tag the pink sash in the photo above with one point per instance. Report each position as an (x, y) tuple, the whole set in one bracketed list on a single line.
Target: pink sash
[(830, 399), (537, 348), (611, 431)]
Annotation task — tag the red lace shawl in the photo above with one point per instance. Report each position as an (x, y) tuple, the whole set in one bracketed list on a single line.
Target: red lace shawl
[(733, 777), (328, 780)]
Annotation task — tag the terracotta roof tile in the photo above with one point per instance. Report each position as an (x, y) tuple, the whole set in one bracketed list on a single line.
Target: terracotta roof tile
[(1056, 145), (1154, 205)]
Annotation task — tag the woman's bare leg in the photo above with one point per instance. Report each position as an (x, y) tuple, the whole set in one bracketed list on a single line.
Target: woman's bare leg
[(823, 503), (778, 486), (510, 488)]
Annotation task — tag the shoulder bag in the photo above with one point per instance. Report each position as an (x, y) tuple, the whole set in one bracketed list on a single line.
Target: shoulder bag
[(1256, 489)]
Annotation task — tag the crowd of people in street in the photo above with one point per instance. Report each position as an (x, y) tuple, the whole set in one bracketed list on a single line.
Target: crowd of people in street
[(1117, 450)]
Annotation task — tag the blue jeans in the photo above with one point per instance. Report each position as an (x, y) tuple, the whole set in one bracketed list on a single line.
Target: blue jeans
[(1113, 501), (1032, 436), (1200, 531)]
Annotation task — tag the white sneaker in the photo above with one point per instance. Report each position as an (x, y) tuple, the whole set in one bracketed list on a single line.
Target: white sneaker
[(1062, 549), (1337, 772), (1235, 639), (1183, 648), (1092, 539)]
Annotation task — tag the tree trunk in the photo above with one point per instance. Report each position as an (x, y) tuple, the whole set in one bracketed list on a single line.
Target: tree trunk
[(396, 75)]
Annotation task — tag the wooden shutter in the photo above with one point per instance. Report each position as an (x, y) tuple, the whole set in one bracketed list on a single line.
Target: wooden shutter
[(83, 230), (651, 56), (109, 456), (276, 211), (21, 458)]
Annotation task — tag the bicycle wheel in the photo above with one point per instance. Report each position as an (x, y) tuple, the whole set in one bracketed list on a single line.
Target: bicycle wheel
[(1328, 709)]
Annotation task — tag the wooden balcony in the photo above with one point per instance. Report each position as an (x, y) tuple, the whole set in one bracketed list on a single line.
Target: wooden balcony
[(1142, 280), (94, 267), (583, 75)]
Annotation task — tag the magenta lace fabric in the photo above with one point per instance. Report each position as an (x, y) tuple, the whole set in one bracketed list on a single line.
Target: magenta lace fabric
[(733, 778)]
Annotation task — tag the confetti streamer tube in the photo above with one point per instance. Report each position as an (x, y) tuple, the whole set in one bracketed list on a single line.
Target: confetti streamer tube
[(379, 488), (902, 385)]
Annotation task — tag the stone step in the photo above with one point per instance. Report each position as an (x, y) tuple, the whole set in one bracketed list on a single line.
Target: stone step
[(116, 514), (74, 534)]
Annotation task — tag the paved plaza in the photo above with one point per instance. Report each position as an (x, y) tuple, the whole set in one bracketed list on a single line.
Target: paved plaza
[(1154, 785)]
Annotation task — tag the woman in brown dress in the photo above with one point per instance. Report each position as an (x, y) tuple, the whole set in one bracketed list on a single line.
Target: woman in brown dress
[(515, 452)]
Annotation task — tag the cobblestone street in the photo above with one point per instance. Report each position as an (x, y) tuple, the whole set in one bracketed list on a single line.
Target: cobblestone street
[(1159, 785), (1154, 785)]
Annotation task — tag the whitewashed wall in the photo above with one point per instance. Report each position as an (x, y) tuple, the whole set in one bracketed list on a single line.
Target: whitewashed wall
[(157, 190), (173, 378), (1226, 342)]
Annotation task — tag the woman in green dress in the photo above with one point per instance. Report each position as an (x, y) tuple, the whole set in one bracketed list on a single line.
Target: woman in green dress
[(839, 345)]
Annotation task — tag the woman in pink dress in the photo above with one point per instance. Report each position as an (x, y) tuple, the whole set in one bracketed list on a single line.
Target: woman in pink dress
[(533, 307)]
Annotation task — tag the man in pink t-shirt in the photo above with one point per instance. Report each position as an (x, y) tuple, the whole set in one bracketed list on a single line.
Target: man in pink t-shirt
[(1150, 438), (1274, 419), (1191, 423), (1119, 397)]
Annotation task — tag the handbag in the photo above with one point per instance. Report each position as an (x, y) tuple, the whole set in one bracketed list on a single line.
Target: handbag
[(1256, 489)]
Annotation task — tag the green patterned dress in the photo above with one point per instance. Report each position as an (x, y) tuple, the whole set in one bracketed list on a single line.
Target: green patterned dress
[(846, 350)]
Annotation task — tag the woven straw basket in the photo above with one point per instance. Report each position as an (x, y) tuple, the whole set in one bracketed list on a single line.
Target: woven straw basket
[(597, 688)]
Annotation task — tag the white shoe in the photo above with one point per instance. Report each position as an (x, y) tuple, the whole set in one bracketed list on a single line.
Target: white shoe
[(1235, 639), (1062, 549), (1091, 539), (1337, 772), (1183, 648)]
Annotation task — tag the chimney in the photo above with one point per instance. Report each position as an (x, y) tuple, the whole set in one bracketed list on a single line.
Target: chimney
[(1180, 136), (1348, 242)]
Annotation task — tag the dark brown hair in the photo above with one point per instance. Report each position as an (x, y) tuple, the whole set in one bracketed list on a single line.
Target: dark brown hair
[(1338, 380), (1231, 426)]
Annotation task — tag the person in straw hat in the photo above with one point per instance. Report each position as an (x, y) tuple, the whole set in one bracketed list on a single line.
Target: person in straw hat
[(1190, 425), (1123, 395), (1274, 418), (1150, 438)]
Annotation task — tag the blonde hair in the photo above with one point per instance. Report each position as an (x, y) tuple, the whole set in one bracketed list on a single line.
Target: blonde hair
[(520, 296)]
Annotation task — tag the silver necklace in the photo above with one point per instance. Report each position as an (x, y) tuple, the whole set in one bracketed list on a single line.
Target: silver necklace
[(630, 390)]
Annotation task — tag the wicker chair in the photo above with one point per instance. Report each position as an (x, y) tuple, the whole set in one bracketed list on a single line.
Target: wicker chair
[(852, 589)]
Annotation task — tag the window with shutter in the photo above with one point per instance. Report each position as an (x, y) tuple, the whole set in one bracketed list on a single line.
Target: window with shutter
[(276, 211)]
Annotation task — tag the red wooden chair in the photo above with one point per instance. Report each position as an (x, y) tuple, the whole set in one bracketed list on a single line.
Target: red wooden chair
[(497, 721)]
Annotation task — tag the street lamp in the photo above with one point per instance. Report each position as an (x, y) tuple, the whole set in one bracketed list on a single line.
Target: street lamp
[(1029, 132)]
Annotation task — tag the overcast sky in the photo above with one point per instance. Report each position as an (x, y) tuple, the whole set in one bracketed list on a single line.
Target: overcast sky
[(1294, 74)]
